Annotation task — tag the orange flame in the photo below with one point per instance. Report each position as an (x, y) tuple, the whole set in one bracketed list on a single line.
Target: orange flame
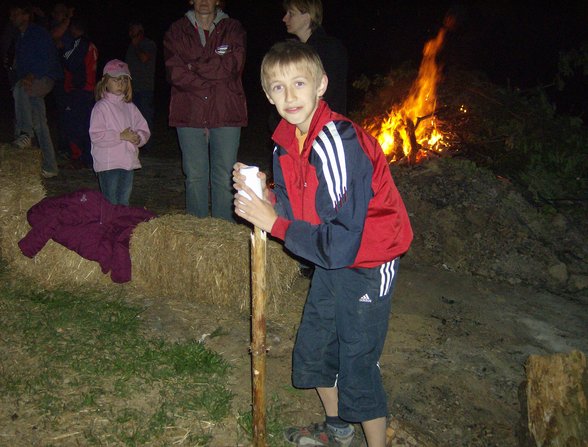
[(410, 130)]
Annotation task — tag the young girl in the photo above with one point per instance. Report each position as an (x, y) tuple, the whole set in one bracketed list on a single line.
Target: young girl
[(117, 130)]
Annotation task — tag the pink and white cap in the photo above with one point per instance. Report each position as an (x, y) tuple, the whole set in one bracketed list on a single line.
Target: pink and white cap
[(116, 68)]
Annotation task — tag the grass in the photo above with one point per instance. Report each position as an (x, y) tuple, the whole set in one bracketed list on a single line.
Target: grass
[(77, 368), (274, 425)]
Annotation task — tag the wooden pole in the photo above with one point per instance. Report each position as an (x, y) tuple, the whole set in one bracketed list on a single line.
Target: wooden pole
[(258, 334)]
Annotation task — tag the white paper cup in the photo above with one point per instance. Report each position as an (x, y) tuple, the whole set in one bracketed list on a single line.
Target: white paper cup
[(251, 180)]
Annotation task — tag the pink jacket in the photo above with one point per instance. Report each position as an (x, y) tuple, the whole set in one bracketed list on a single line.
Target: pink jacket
[(110, 116)]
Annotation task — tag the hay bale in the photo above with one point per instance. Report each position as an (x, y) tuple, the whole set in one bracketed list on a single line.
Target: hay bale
[(25, 162), (20, 183), (55, 266), (20, 188), (205, 259), (174, 255), (12, 229)]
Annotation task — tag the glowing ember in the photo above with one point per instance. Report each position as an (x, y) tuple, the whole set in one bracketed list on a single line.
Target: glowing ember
[(411, 129)]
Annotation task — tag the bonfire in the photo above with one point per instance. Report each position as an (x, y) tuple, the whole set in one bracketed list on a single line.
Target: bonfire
[(412, 131)]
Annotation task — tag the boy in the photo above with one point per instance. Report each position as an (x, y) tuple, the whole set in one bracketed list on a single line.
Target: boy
[(335, 205)]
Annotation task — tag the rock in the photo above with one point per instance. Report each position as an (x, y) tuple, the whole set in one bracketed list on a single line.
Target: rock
[(401, 434), (578, 282), (465, 217), (559, 272), (560, 223), (554, 401)]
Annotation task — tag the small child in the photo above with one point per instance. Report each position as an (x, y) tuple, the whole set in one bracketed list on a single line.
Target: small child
[(117, 130), (336, 206)]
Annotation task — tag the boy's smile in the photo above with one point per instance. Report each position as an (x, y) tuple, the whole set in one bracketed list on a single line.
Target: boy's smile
[(295, 93)]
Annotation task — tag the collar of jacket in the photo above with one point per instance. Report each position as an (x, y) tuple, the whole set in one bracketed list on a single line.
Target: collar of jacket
[(191, 15), (285, 133), (111, 97)]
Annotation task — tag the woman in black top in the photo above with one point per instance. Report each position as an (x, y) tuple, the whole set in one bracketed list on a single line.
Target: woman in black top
[(303, 19)]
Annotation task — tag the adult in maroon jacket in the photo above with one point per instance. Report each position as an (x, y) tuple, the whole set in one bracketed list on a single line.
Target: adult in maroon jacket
[(204, 57)]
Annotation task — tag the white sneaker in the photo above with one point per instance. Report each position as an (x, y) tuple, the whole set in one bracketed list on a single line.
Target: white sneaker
[(22, 141), (47, 174), (319, 435)]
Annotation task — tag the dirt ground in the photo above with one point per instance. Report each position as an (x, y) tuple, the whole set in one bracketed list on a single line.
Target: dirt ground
[(488, 282), (462, 324)]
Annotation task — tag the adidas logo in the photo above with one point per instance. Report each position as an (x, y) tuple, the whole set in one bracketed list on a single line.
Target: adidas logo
[(365, 299)]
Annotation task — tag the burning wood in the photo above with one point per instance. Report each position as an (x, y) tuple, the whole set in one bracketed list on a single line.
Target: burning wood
[(411, 131)]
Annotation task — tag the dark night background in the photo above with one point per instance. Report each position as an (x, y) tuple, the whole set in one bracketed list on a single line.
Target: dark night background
[(514, 43)]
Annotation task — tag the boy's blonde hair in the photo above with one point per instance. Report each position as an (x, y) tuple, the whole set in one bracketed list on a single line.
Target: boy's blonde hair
[(101, 88), (289, 54), (314, 8)]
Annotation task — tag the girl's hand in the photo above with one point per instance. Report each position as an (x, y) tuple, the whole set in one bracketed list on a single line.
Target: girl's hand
[(126, 134), (131, 136), (136, 139)]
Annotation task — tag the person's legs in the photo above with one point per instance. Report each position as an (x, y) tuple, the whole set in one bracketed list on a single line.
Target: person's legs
[(62, 148), (69, 125), (329, 398), (361, 302), (108, 181), (195, 163), (84, 134), (125, 186), (362, 317), (224, 145), (375, 432), (116, 185), (23, 118), (80, 104), (315, 359), (143, 99), (39, 114), (315, 364)]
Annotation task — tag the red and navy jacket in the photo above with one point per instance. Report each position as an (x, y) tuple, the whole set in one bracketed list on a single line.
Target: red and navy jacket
[(79, 63), (336, 201)]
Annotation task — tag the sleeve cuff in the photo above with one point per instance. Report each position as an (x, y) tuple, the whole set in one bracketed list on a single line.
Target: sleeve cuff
[(280, 228)]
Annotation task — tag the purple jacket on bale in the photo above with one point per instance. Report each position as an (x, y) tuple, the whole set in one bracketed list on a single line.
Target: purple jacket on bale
[(85, 222)]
